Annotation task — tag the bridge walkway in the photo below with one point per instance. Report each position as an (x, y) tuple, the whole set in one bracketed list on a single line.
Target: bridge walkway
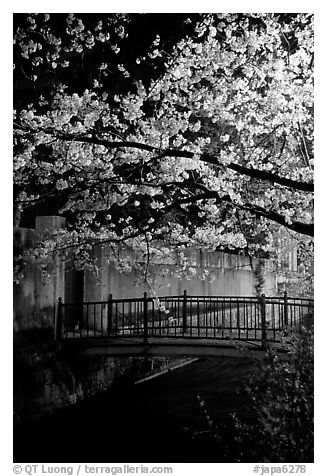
[(189, 323)]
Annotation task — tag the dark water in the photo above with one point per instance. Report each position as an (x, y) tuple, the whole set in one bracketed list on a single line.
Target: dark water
[(155, 421)]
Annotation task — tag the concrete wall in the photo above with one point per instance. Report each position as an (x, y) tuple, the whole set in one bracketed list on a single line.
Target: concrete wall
[(233, 276), (35, 301)]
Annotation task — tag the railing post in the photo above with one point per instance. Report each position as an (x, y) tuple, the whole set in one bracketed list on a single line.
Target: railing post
[(59, 321), (285, 309), (145, 317), (109, 317), (184, 311), (263, 320), (238, 320)]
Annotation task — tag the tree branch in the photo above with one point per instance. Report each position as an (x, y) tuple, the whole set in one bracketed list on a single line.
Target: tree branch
[(299, 227), (255, 173)]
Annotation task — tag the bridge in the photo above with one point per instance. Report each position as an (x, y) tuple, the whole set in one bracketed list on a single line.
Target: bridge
[(180, 325)]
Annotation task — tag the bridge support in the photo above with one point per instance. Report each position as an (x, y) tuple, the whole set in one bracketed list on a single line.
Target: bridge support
[(285, 309), (184, 311), (109, 314), (59, 321), (145, 317), (263, 321)]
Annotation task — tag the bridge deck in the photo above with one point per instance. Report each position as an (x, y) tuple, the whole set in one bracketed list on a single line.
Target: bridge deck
[(167, 346), (180, 325)]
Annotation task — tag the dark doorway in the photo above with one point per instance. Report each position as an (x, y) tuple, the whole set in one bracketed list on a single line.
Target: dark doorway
[(74, 293)]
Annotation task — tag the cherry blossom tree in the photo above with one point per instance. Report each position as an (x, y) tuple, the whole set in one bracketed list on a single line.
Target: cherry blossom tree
[(213, 149)]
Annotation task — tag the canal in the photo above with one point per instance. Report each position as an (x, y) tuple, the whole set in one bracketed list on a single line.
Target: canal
[(159, 420)]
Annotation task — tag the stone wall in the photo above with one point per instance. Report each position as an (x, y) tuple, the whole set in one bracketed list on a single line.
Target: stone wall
[(46, 379)]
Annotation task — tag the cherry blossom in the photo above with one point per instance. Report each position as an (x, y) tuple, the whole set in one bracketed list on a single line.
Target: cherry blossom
[(216, 153)]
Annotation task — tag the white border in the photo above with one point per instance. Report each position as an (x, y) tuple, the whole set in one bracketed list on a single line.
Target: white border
[(320, 215)]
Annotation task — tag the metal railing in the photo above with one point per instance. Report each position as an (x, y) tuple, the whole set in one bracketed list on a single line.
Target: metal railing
[(204, 317)]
